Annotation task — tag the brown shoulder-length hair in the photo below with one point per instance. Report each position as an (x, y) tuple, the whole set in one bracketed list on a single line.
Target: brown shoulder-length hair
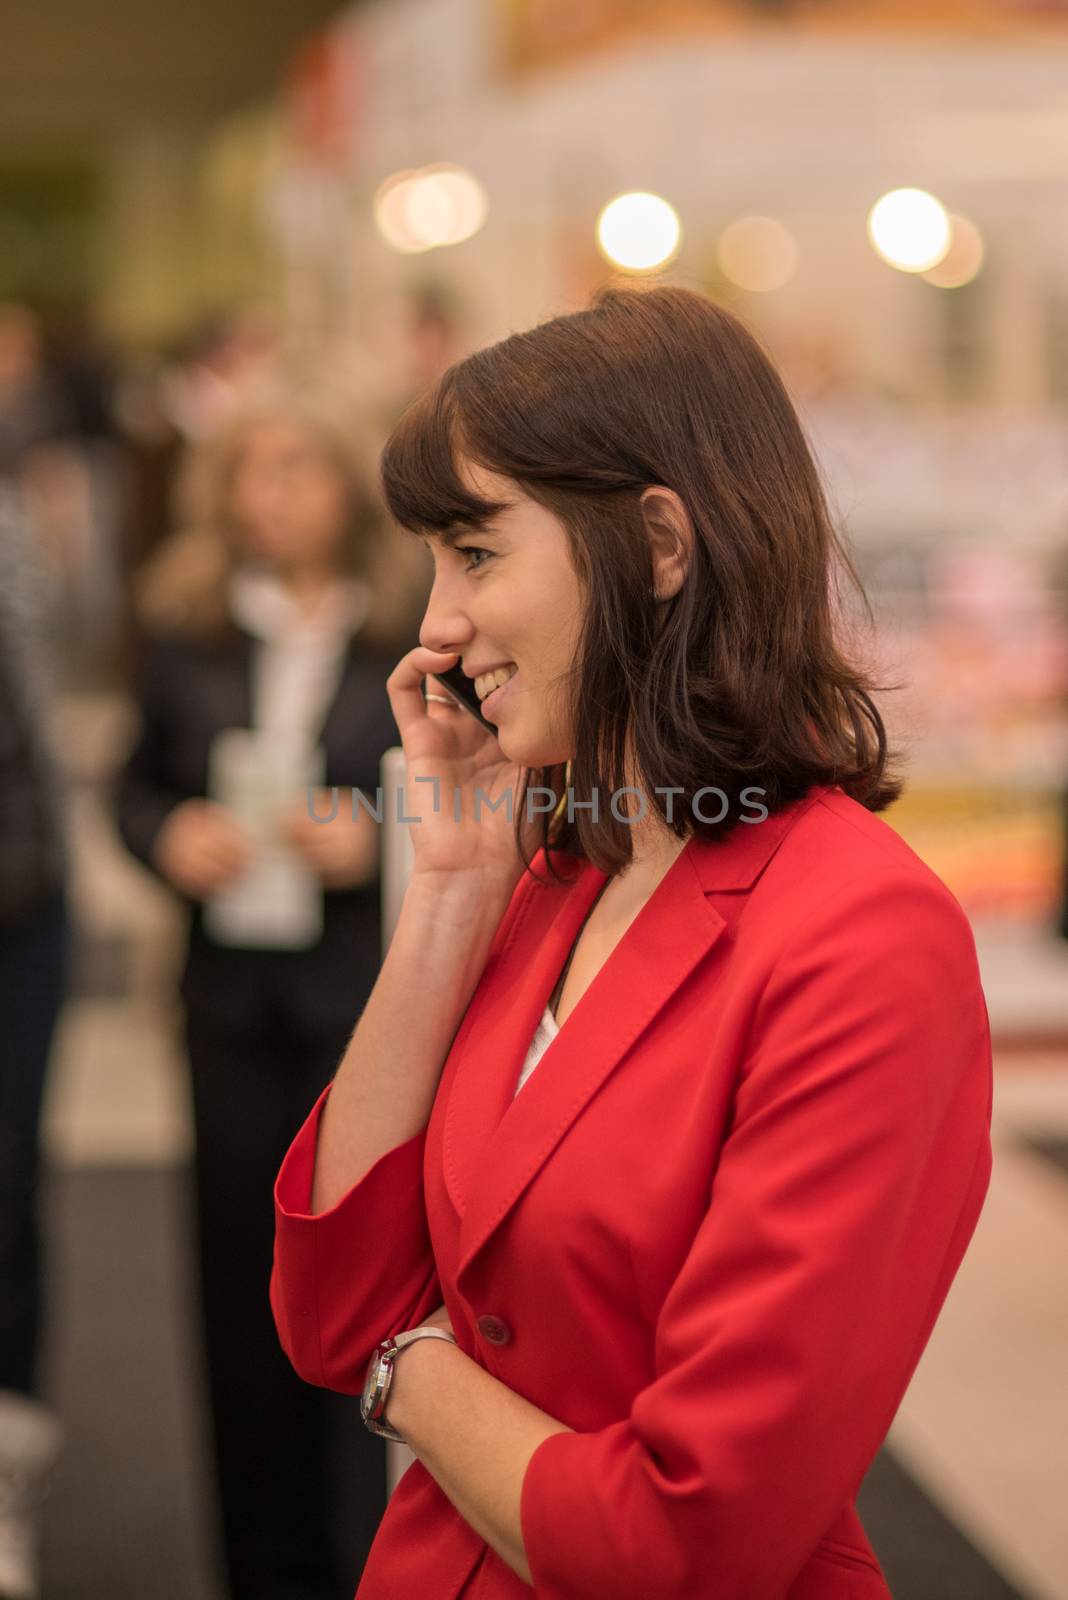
[(183, 588), (740, 681)]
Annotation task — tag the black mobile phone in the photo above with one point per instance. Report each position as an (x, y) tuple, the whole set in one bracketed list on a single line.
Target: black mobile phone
[(462, 688)]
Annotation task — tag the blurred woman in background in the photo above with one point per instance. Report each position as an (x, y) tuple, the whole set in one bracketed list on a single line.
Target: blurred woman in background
[(34, 944), (279, 613)]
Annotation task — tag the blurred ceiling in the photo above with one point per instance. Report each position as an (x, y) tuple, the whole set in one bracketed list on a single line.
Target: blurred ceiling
[(72, 71)]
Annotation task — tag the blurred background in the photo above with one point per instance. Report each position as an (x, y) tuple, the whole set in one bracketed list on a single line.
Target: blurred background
[(201, 206)]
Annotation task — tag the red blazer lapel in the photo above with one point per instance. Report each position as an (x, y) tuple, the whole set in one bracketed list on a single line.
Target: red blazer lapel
[(673, 931), (484, 1063), (494, 1141)]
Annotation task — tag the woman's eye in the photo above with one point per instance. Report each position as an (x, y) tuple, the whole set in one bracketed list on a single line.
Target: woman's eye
[(472, 550)]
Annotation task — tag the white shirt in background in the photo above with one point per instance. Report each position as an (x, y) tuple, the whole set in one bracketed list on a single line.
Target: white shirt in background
[(299, 655), (258, 772)]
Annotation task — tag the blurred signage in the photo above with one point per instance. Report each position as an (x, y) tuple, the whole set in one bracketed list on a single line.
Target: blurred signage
[(542, 32)]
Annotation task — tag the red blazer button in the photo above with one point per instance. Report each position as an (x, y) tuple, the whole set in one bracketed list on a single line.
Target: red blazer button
[(494, 1330)]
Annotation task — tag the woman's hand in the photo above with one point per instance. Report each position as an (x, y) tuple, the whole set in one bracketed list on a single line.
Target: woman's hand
[(200, 848), (450, 754), (343, 852)]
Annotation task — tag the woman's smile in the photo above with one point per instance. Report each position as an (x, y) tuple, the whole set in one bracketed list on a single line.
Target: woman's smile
[(487, 682), (492, 687)]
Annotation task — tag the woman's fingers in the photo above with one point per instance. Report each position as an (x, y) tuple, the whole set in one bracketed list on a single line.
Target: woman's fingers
[(222, 844), (405, 682), (219, 865), (436, 727)]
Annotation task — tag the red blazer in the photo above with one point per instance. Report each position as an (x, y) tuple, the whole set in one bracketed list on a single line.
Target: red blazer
[(711, 1234)]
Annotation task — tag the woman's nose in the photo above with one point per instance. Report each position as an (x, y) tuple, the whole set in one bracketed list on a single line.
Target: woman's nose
[(445, 625)]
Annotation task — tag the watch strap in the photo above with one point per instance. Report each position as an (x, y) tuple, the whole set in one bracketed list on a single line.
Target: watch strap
[(412, 1334), (382, 1365)]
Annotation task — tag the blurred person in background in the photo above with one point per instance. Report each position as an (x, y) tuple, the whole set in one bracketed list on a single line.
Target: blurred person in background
[(33, 964), (279, 612), (177, 399), (56, 442), (164, 404), (33, 406)]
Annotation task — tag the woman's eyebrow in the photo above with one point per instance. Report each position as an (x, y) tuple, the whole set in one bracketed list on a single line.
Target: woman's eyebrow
[(444, 538), (450, 536)]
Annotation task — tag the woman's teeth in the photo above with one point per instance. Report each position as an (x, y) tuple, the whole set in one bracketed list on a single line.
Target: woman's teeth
[(486, 682)]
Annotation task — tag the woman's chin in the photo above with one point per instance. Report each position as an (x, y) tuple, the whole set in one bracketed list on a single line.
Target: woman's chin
[(511, 748), (527, 751)]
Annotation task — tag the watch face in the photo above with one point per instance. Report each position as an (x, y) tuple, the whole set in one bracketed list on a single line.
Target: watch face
[(371, 1385)]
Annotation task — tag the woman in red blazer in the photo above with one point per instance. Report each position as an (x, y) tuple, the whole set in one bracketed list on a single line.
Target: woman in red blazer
[(689, 1267)]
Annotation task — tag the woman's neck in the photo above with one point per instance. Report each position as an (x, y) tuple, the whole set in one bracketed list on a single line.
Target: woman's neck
[(653, 845), (306, 585)]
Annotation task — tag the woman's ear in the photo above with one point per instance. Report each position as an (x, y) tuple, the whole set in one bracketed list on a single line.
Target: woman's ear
[(670, 533)]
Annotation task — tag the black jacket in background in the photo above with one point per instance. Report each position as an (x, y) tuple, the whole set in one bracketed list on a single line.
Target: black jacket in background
[(190, 690), (31, 852), (33, 829)]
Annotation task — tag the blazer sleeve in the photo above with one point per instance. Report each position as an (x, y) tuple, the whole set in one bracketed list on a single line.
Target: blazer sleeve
[(844, 1198), (147, 792), (344, 1279)]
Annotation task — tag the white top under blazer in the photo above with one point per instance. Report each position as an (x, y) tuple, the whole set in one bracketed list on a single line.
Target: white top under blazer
[(544, 1034)]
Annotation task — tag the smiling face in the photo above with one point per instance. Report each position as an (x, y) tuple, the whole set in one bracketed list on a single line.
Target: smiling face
[(508, 596)]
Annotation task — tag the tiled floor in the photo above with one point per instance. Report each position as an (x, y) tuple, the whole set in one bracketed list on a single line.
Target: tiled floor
[(976, 1470)]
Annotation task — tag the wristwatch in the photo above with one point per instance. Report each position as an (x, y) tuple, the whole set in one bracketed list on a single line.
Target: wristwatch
[(380, 1377)]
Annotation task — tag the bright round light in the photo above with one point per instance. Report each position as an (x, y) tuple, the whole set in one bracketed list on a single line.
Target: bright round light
[(757, 253), (910, 229), (466, 197), (391, 203), (429, 207), (639, 232), (444, 205), (964, 258)]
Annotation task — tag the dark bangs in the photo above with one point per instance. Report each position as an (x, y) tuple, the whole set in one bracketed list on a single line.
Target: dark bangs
[(420, 481)]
